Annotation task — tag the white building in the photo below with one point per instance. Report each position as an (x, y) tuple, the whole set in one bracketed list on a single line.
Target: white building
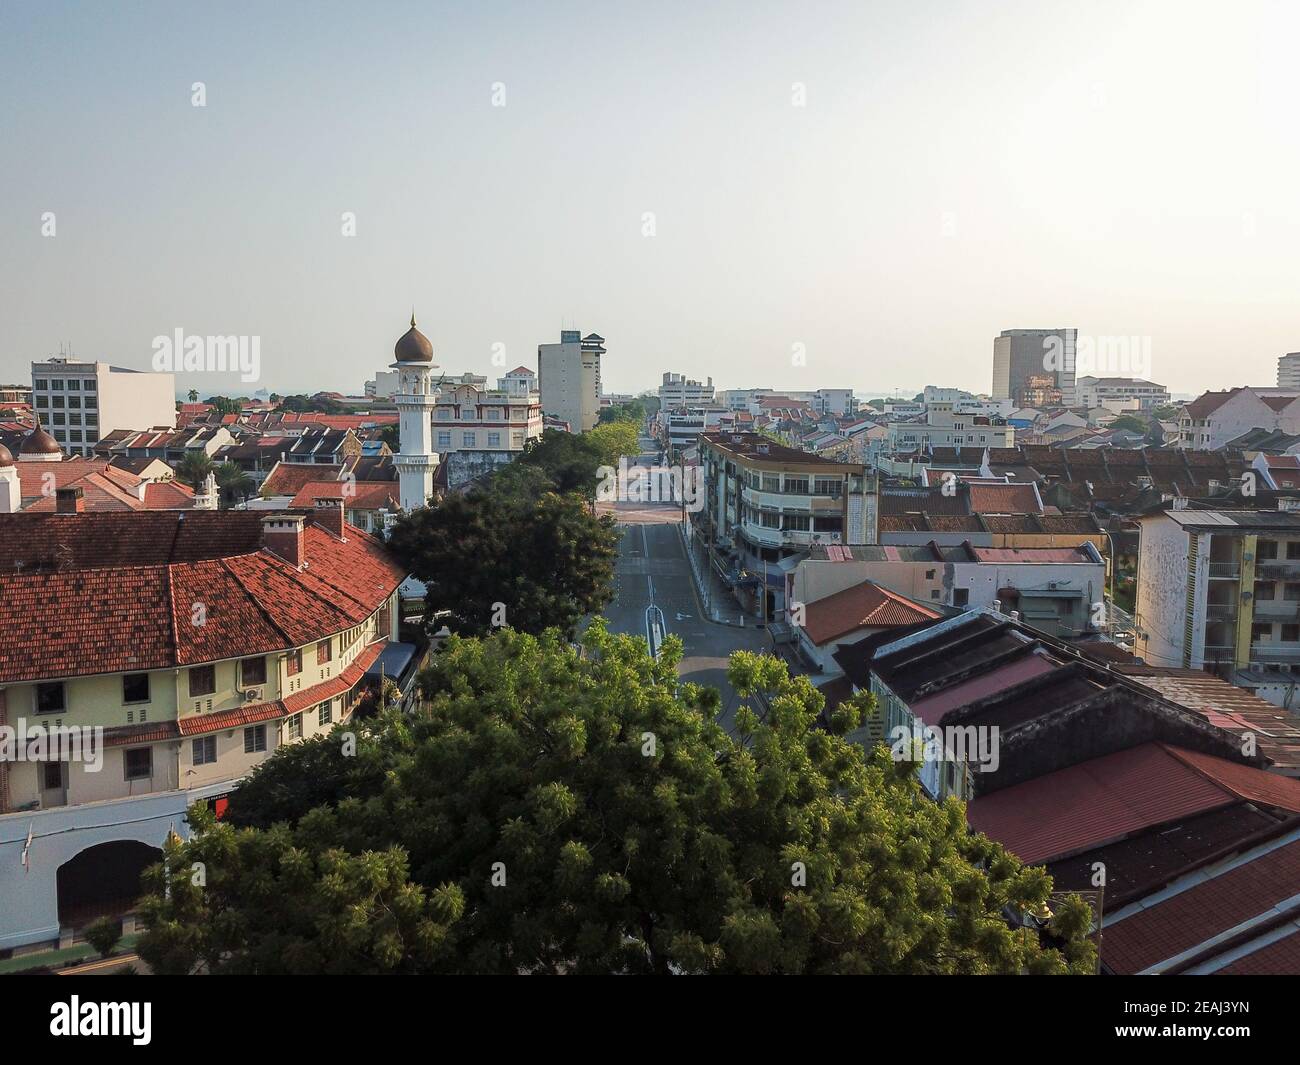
[(1288, 371), (1213, 419), (681, 428), (521, 381), (383, 386), (945, 427), (1220, 589), (416, 398), (1105, 391), (467, 417), (79, 402), (834, 401), (679, 391), (568, 377)]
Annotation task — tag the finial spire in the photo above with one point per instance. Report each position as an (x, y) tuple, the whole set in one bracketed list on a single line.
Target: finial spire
[(412, 317)]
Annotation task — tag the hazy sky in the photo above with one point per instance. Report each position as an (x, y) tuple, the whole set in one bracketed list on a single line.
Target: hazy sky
[(956, 169)]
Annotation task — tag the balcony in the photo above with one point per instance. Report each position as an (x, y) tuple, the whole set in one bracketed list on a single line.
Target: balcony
[(1221, 612), (1274, 650), (1277, 568), (1277, 608), (1224, 570)]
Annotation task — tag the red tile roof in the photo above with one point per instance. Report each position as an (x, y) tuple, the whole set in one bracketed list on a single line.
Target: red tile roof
[(289, 478), (128, 616), (364, 495), (1005, 499), (104, 487), (1207, 403), (865, 605), (1108, 798)]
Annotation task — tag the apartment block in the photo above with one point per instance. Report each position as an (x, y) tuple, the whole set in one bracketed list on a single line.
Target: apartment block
[(80, 402), (765, 504), (568, 377)]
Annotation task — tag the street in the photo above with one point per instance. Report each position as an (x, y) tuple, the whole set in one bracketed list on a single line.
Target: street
[(654, 591)]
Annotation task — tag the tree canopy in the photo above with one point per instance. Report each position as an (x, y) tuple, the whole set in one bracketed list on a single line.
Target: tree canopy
[(511, 553), (550, 809)]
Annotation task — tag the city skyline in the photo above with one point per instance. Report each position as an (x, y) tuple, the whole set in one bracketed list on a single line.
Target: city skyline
[(869, 188)]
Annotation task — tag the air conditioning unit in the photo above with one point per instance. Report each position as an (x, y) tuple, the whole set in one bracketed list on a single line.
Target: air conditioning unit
[(253, 695)]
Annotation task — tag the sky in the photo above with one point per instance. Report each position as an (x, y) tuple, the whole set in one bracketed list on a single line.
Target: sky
[(787, 195)]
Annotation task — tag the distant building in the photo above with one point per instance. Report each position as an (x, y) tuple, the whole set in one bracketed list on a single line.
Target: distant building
[(1019, 354), (467, 417), (1288, 370), (1103, 391), (78, 402), (521, 381), (568, 377), (679, 391), (1214, 418)]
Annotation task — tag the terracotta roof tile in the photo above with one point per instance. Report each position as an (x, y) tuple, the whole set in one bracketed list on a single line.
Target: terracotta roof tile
[(865, 605)]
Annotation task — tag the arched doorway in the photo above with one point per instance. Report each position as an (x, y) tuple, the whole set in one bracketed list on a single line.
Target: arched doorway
[(103, 880)]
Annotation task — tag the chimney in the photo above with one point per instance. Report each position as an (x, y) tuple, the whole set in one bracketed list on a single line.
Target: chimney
[(282, 535), (69, 501), (328, 512)]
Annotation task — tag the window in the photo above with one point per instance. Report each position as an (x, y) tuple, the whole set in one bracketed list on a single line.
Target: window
[(771, 482), (252, 670), (325, 712), (138, 762), (835, 524), (769, 519), (797, 522), (1291, 593), (1293, 550), (796, 485), (205, 750), (1266, 549), (254, 739), (444, 439), (74, 385), (468, 440), (494, 440), (294, 664), (135, 688), (1265, 591), (827, 486), (52, 776), (203, 680), (1291, 633), (929, 575), (295, 727), (50, 698), (1261, 630), (324, 652), (960, 596)]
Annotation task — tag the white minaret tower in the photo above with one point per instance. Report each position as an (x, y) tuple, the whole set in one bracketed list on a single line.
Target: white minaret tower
[(415, 399)]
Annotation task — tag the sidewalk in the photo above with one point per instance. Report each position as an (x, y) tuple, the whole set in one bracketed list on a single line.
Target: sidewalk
[(719, 604)]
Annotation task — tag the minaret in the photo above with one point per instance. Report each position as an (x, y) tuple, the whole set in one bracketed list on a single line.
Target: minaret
[(208, 498), (415, 399), (11, 489)]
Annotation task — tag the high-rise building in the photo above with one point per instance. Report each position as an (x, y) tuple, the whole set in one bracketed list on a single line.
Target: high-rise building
[(1019, 354), (568, 375), (78, 402), (1288, 370)]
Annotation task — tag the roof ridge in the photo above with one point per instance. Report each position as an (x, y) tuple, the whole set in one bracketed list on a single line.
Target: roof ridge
[(1179, 752), (248, 594)]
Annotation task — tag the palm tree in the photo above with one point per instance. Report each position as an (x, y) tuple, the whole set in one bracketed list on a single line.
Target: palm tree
[(194, 395), (194, 468), (236, 485)]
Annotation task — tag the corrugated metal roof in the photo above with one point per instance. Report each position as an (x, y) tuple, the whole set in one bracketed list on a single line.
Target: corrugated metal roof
[(1099, 800)]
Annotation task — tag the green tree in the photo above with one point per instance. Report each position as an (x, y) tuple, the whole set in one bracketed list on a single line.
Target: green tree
[(104, 934), (634, 411), (285, 900), (236, 485), (193, 395), (614, 440), (572, 811), (545, 560), (1130, 423), (569, 460), (224, 404), (194, 468)]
